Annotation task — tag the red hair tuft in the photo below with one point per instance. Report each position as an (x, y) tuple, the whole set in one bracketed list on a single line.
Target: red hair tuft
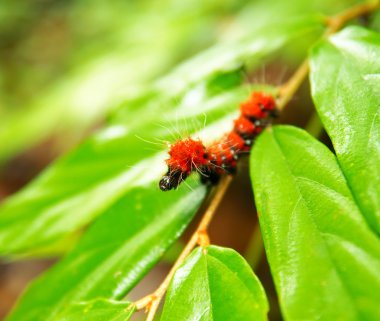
[(184, 154), (258, 105)]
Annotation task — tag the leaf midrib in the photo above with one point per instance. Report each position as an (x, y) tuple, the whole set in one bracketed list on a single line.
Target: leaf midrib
[(114, 258), (315, 225)]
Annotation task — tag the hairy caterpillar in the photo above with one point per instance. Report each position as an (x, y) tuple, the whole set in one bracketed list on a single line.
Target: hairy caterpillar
[(188, 155)]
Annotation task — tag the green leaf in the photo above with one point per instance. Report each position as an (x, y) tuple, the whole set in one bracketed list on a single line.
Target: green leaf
[(108, 167), (98, 310), (345, 79), (323, 256), (114, 254), (138, 224), (215, 283)]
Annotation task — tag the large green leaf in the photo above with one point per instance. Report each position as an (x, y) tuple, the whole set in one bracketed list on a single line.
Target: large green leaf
[(108, 167), (345, 79), (215, 283), (98, 310), (114, 254), (138, 224), (323, 256)]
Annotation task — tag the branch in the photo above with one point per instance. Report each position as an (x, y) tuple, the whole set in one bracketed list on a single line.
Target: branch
[(200, 237), (334, 24)]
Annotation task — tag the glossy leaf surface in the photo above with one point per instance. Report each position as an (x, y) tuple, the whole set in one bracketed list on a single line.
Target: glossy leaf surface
[(114, 254), (323, 255), (215, 283), (345, 79), (105, 169), (98, 310)]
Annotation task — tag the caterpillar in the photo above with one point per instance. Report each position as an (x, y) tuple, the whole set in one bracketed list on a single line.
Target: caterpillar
[(212, 161)]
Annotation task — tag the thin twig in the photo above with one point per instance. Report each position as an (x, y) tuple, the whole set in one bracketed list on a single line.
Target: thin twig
[(334, 23), (288, 89), (200, 237)]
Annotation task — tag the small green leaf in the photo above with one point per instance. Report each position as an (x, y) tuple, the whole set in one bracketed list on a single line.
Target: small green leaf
[(345, 79), (215, 283), (114, 254), (98, 310), (323, 256)]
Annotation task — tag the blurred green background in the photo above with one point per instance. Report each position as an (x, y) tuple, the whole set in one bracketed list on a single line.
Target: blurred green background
[(65, 64)]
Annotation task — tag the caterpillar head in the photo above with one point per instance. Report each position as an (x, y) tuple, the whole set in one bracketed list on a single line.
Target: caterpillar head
[(185, 156), (171, 180)]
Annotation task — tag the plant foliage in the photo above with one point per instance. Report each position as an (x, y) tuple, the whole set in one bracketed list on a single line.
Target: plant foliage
[(319, 209)]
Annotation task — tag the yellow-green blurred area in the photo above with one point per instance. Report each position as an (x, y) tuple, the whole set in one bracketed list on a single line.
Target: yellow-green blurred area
[(64, 64), (96, 46)]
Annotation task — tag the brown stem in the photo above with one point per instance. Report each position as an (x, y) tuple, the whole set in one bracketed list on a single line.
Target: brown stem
[(288, 89), (199, 237), (334, 23)]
